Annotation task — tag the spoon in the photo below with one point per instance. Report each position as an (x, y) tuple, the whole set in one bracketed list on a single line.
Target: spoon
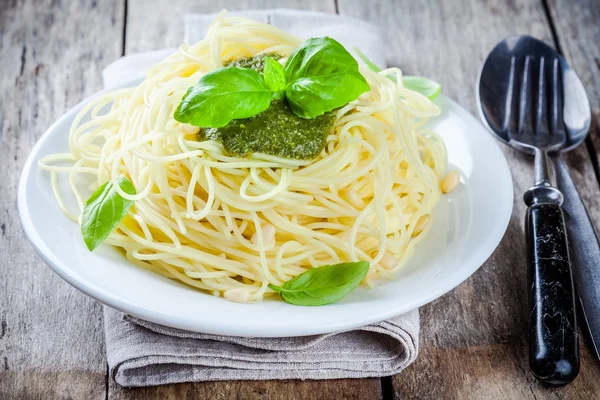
[(521, 89)]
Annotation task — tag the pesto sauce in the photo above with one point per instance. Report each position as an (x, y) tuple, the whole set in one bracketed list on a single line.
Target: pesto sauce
[(276, 131), (256, 63)]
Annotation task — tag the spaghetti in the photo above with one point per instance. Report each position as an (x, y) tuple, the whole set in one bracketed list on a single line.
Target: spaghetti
[(231, 226)]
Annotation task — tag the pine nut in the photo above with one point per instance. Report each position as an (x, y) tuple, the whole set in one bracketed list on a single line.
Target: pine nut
[(450, 182), (388, 261), (237, 295), (268, 234), (354, 199), (421, 224)]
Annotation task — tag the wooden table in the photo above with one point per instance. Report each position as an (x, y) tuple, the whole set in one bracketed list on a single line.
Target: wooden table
[(473, 342)]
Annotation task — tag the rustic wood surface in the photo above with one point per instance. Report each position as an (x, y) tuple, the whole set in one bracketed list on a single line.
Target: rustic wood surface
[(51, 57), (577, 30), (472, 340)]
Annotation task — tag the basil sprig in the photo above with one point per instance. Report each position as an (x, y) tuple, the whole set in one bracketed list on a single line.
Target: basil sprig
[(322, 75), (419, 84), (104, 210), (318, 77), (323, 285), (274, 76), (222, 95)]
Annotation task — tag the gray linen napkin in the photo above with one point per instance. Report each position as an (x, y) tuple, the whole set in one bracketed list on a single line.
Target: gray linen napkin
[(141, 353)]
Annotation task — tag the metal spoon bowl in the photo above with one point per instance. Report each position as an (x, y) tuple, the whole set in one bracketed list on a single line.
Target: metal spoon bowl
[(492, 81)]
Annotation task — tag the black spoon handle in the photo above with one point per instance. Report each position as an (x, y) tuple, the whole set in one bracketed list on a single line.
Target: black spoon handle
[(553, 340)]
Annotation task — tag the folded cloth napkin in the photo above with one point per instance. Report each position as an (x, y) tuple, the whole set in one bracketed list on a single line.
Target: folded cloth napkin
[(141, 353)]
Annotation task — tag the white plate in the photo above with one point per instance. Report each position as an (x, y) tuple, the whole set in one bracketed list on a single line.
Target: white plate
[(468, 225)]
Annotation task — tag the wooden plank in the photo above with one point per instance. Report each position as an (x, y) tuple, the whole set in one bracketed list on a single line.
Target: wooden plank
[(51, 336), (577, 25), (473, 342), (358, 389), (156, 24), (486, 372)]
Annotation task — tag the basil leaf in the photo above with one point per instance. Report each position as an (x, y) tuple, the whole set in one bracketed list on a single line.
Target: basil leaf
[(274, 76), (103, 211), (322, 76), (323, 285), (223, 95), (422, 85), (418, 84)]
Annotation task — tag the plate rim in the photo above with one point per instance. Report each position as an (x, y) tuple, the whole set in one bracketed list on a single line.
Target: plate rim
[(229, 329)]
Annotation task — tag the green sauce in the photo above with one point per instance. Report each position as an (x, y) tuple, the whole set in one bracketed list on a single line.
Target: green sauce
[(256, 63), (276, 131)]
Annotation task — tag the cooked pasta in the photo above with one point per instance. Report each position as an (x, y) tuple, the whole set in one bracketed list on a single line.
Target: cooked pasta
[(233, 225)]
